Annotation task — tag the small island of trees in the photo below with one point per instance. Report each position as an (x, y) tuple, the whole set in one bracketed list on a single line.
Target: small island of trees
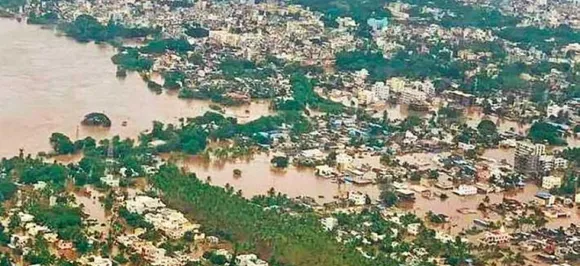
[(96, 119)]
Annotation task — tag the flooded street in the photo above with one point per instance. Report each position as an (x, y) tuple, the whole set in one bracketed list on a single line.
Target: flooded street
[(451, 205), (50, 83), (88, 198), (258, 177)]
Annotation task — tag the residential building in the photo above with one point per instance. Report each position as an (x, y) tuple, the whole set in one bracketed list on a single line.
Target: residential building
[(343, 160), (249, 260), (549, 182), (141, 204), (413, 96), (527, 158), (381, 91), (495, 238), (413, 229), (465, 190), (357, 198), (329, 223)]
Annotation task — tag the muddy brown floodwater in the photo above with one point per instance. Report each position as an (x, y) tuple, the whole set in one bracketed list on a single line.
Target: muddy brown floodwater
[(258, 177), (49, 83)]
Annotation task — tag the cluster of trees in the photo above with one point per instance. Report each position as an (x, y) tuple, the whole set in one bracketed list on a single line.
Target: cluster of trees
[(291, 240), (134, 220), (30, 171), (467, 15), (131, 59), (280, 161), (86, 28), (62, 144), (173, 79), (191, 137), (413, 65), (7, 189), (233, 68), (44, 19), (541, 132), (66, 221), (304, 95), (196, 31), (360, 11), (159, 46), (572, 155), (96, 119), (544, 39), (12, 5)]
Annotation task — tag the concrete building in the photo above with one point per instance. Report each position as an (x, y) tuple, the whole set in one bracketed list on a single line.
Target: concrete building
[(527, 158), (549, 182), (381, 91), (549, 163), (357, 198), (343, 160), (413, 96), (465, 190)]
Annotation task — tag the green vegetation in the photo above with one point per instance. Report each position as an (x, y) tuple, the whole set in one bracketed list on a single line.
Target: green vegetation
[(173, 79), (61, 144), (131, 59), (542, 39), (192, 137), (7, 189), (160, 46), (304, 95), (487, 127), (291, 240), (415, 65), (196, 32), (134, 219), (12, 5), (541, 132), (360, 11), (44, 19), (234, 68), (465, 15), (572, 155), (96, 119), (86, 28), (280, 161)]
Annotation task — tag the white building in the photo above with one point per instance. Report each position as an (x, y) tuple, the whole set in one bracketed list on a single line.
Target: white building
[(110, 181), (324, 171), (249, 260), (343, 160), (495, 238), (357, 198), (412, 96), (329, 223), (549, 163), (96, 261), (554, 110), (381, 91), (465, 190), (140, 204), (426, 87), (549, 182), (413, 229), (397, 84), (171, 222), (366, 97)]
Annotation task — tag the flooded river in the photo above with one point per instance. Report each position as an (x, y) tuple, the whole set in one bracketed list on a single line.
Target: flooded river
[(49, 83)]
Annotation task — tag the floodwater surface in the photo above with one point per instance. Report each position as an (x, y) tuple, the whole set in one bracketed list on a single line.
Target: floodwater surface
[(49, 83)]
